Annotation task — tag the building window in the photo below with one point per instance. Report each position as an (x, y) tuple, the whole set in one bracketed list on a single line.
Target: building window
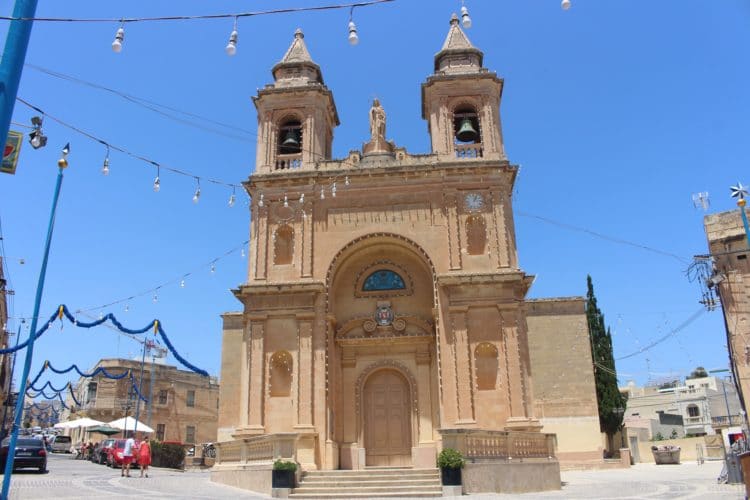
[(383, 279), (91, 394), (486, 365), (190, 399), (693, 411), (281, 373), (283, 245), (163, 395), (190, 434), (476, 235), (160, 430)]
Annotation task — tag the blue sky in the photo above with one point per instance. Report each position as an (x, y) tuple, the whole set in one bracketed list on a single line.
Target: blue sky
[(617, 113)]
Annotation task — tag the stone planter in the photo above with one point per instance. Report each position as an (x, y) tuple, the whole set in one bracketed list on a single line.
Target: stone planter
[(666, 454), (282, 479), (450, 477)]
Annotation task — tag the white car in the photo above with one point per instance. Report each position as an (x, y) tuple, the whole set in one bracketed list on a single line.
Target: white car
[(60, 444)]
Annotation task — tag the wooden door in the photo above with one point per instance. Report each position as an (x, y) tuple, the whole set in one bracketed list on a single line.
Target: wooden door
[(387, 420)]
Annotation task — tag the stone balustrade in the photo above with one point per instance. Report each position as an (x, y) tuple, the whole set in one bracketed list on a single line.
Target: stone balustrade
[(286, 162), (468, 150), (258, 449), (478, 444)]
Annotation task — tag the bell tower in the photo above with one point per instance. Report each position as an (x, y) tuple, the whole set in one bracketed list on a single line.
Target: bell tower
[(296, 114), (461, 102)]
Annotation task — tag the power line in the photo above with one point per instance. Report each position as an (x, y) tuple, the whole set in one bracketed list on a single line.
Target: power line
[(658, 341), (604, 236), (125, 20)]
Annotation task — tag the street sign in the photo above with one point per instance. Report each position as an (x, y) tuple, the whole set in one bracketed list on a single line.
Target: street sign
[(10, 153)]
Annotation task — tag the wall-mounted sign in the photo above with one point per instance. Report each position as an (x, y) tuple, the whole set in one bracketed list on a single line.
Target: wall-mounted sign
[(10, 153)]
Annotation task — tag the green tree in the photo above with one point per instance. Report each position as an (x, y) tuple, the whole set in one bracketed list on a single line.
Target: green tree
[(610, 400), (699, 372)]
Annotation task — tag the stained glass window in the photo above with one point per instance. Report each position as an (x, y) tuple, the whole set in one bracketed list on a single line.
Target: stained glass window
[(383, 279)]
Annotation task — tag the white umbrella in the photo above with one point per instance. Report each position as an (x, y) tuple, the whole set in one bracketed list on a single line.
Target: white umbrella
[(75, 424), (82, 422), (128, 423)]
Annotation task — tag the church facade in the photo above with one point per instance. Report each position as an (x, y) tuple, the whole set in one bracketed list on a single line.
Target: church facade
[(384, 310)]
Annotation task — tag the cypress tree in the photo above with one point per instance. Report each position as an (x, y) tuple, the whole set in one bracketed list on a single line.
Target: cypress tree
[(610, 400)]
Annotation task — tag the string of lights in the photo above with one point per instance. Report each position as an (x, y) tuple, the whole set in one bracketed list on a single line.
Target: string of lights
[(181, 279)]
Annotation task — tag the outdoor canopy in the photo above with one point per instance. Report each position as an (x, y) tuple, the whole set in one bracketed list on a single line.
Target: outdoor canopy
[(129, 423), (104, 429)]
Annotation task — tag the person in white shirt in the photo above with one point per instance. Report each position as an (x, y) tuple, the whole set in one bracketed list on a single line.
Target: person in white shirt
[(127, 456)]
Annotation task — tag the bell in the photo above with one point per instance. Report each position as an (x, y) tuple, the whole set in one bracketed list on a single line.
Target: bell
[(466, 132), (291, 141)]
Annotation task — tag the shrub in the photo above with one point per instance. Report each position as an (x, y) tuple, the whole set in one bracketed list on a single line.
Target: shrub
[(168, 455), (450, 459), (284, 465)]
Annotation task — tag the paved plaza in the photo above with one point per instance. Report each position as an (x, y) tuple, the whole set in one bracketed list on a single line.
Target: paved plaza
[(73, 479)]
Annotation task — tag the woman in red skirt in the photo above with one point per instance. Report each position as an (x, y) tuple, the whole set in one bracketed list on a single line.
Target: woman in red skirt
[(144, 456)]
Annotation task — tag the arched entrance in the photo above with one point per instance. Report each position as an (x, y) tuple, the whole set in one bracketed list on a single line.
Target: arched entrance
[(387, 419)]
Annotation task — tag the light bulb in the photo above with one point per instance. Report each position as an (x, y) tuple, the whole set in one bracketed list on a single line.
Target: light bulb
[(182, 283), (127, 308), (346, 180), (353, 38), (213, 268), (231, 48), (322, 193), (242, 252), (105, 167), (119, 37), (260, 202), (157, 184), (286, 202), (302, 198), (156, 298), (465, 19), (565, 4), (333, 190), (231, 200), (197, 195)]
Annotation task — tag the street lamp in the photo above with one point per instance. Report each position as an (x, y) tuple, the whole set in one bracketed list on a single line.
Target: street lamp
[(37, 139)]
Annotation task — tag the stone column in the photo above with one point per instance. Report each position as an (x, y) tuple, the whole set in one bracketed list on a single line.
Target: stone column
[(306, 255), (425, 395), (462, 365), (305, 371), (454, 232), (500, 235), (508, 320), (257, 372), (261, 243), (245, 381)]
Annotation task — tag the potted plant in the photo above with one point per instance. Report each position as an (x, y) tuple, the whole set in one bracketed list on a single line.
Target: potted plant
[(283, 474), (450, 462)]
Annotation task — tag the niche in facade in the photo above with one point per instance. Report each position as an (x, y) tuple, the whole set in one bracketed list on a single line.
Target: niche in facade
[(476, 235), (281, 373), (466, 126), (283, 245), (486, 365), (290, 137)]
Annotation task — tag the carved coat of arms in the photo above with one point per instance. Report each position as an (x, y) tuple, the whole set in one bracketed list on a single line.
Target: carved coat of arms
[(383, 315)]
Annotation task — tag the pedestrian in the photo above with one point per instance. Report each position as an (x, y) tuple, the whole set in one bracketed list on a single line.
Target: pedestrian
[(127, 456), (144, 456)]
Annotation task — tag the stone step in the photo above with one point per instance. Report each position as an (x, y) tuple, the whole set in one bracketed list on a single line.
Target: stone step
[(367, 489), (374, 471), (372, 477), (330, 483), (416, 494)]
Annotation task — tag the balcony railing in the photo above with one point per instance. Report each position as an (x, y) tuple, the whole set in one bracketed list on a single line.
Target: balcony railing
[(260, 449), (509, 445), (725, 421), (468, 150), (286, 162)]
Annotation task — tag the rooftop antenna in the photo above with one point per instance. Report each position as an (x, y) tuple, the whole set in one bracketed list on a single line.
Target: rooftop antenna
[(701, 201)]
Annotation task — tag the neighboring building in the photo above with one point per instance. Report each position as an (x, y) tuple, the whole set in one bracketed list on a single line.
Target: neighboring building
[(728, 247), (699, 407), (6, 360), (385, 310), (42, 414), (184, 404)]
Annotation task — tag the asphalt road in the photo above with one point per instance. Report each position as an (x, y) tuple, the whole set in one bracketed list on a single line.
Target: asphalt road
[(74, 479)]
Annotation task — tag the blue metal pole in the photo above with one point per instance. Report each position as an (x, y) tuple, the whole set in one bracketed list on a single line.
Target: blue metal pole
[(32, 337), (140, 391), (10, 385), (11, 65), (741, 204)]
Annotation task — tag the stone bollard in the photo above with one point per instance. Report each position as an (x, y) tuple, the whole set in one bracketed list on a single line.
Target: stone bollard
[(625, 457)]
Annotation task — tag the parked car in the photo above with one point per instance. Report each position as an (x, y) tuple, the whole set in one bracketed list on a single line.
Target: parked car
[(114, 454), (99, 455), (60, 444), (30, 453)]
